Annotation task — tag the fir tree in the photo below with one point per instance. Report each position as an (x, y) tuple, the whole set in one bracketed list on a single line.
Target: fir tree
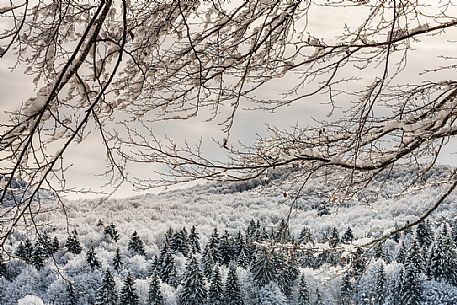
[(303, 293), (411, 286), (380, 253), (232, 291), (305, 236), (346, 290), (238, 244), (334, 238), (117, 261), (286, 272), (25, 251), (111, 231), (347, 237), (107, 294), (318, 298), (72, 243), (128, 293), (46, 244), (395, 292), (251, 229), (71, 295), (3, 269), (38, 257), (358, 263), (424, 235), (381, 285), (208, 262), (194, 241), (215, 290), (168, 270), (91, 258), (243, 260), (213, 246), (225, 249), (442, 264), (154, 293), (55, 245), (262, 268), (401, 255), (283, 234), (193, 290), (136, 245)]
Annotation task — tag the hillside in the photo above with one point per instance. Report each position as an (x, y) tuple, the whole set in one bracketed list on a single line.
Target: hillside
[(231, 207)]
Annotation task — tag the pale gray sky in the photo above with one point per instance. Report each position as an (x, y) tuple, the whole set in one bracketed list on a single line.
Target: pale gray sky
[(88, 161)]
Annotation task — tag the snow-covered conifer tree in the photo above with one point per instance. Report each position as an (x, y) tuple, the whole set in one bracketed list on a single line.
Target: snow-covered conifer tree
[(155, 296), (193, 290), (232, 291), (215, 290), (194, 240), (91, 258), (136, 245), (128, 294), (107, 293)]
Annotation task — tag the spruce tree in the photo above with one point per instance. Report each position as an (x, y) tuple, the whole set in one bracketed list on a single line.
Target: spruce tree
[(215, 290), (136, 245), (305, 236), (424, 234), (55, 245), (213, 246), (232, 291), (346, 290), (117, 261), (225, 249), (262, 268), (72, 243), (303, 293), (396, 290), (347, 237), (71, 295), (107, 293), (401, 255), (3, 269), (91, 258), (381, 285), (411, 286), (334, 238), (243, 260), (283, 234), (208, 262), (46, 244), (167, 270), (358, 263), (128, 293), (111, 231), (194, 241), (38, 257), (193, 290), (442, 263), (238, 244), (379, 252), (154, 293), (25, 251)]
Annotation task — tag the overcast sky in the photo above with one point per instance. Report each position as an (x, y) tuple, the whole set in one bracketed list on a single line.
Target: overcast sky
[(89, 161)]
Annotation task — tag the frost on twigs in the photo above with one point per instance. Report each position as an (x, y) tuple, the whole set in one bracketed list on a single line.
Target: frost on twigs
[(115, 68)]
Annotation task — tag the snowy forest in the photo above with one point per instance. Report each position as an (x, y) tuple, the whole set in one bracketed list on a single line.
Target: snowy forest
[(228, 243), (256, 152)]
